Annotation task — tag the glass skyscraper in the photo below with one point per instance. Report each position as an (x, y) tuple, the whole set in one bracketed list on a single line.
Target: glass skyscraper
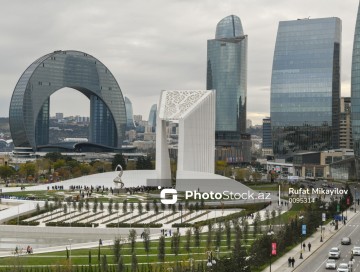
[(152, 116), (129, 114), (227, 74), (30, 102), (305, 86), (355, 88)]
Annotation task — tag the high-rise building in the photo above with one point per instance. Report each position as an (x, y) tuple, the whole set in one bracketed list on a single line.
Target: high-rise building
[(227, 74), (345, 133), (305, 86), (152, 117), (59, 115), (266, 141), (30, 102), (248, 123), (355, 88), (129, 114)]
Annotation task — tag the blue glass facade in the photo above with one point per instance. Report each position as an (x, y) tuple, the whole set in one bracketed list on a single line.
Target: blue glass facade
[(227, 74), (267, 142), (152, 117), (355, 88), (129, 114), (30, 103), (305, 86)]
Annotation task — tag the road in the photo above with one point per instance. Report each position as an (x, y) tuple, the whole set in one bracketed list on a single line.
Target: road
[(316, 262)]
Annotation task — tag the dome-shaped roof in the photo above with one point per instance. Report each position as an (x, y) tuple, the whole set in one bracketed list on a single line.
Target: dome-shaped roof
[(229, 27)]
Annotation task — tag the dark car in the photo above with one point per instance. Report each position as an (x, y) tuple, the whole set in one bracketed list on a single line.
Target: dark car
[(346, 241)]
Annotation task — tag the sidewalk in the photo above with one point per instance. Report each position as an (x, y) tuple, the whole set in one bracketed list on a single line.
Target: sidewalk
[(328, 231)]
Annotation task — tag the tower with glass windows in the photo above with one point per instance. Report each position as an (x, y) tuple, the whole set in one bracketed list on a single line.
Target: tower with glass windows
[(227, 74), (305, 86), (355, 88), (30, 102)]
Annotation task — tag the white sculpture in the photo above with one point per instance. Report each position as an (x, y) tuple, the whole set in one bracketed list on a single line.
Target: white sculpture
[(117, 179)]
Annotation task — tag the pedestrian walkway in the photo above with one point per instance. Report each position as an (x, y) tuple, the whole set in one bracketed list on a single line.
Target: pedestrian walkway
[(281, 265)]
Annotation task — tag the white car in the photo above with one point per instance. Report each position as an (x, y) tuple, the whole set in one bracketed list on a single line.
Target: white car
[(356, 251), (330, 264), (343, 267), (334, 253)]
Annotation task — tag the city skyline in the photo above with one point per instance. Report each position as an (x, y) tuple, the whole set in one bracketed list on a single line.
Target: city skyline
[(161, 49)]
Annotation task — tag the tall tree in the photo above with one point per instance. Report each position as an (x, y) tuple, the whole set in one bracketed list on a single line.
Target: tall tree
[(118, 159), (117, 250), (161, 249), (188, 240), (175, 243), (132, 239)]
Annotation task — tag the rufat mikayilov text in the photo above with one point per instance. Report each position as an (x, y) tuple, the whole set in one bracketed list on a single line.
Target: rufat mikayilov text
[(318, 191), (226, 195)]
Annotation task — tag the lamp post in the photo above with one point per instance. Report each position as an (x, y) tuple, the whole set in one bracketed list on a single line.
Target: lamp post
[(355, 198), (301, 247), (270, 234), (70, 250)]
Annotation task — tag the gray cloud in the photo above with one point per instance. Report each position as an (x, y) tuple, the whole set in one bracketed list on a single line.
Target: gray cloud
[(154, 45)]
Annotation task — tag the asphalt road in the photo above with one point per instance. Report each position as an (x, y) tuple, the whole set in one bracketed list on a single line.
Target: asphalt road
[(316, 262)]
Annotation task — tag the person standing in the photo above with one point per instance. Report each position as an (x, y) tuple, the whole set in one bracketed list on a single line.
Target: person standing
[(289, 261), (292, 261), (309, 246)]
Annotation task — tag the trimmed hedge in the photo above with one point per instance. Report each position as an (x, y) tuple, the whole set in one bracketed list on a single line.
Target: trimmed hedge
[(135, 225), (63, 224)]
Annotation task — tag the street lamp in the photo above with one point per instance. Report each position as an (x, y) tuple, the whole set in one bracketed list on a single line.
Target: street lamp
[(301, 247), (270, 234), (70, 250), (355, 198)]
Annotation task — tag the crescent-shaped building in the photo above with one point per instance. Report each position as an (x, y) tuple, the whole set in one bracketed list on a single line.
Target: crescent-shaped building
[(30, 102)]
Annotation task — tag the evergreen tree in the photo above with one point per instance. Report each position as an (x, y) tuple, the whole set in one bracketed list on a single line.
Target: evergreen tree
[(117, 250), (118, 159), (134, 263), (228, 234), (161, 249), (188, 241), (132, 239), (175, 243), (104, 264)]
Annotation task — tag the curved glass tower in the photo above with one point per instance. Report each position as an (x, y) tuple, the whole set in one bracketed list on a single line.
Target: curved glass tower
[(355, 88), (305, 86), (152, 116), (227, 74), (129, 114), (30, 102)]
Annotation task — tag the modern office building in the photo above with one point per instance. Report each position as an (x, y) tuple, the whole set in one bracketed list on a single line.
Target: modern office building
[(152, 117), (30, 102), (266, 139), (305, 86), (345, 132), (227, 74), (355, 88), (130, 124)]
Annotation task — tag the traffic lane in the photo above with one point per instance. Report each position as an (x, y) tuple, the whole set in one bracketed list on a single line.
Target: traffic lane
[(316, 262)]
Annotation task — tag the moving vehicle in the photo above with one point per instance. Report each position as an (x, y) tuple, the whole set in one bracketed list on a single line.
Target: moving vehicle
[(356, 251), (334, 253), (343, 267), (346, 241), (330, 264)]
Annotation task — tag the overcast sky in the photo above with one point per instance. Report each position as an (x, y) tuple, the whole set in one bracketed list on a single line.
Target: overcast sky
[(151, 45)]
